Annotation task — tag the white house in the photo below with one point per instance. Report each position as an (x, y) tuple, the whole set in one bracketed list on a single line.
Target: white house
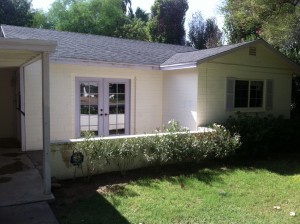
[(116, 86)]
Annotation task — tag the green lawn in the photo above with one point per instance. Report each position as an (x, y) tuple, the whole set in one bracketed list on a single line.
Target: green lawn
[(232, 194)]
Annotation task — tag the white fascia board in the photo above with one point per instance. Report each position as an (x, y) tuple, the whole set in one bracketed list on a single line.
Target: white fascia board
[(74, 61), (27, 45), (178, 66)]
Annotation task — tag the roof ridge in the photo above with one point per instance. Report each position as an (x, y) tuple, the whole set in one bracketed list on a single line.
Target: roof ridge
[(214, 48), (96, 35)]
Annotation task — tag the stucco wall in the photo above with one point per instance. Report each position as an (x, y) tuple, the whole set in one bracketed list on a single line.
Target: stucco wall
[(240, 65), (8, 114), (180, 97), (146, 99)]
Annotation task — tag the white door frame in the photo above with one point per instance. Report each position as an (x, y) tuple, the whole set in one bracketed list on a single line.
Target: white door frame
[(103, 103)]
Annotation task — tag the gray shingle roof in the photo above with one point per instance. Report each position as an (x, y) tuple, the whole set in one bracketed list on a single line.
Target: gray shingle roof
[(99, 48), (196, 56)]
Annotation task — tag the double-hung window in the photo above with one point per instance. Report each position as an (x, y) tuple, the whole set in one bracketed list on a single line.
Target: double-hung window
[(248, 94)]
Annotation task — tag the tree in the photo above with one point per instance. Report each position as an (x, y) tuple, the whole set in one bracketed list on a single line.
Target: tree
[(135, 29), (167, 21), (203, 34), (212, 33), (85, 16), (126, 6), (196, 33), (141, 14), (41, 20), (275, 21), (16, 12)]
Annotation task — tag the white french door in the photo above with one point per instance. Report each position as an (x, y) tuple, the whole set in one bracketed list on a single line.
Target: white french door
[(102, 106)]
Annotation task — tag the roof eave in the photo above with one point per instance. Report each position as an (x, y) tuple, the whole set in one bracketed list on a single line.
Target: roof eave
[(178, 66), (74, 61), (28, 45)]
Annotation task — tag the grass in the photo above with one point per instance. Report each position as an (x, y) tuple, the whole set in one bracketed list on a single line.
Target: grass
[(239, 194)]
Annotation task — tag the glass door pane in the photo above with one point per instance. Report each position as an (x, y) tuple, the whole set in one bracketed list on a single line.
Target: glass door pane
[(89, 105), (117, 104)]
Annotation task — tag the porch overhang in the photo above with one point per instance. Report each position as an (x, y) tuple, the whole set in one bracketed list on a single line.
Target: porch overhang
[(17, 53)]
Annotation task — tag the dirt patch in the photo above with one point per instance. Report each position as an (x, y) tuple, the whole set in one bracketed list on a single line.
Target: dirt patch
[(70, 191), (4, 179), (15, 167)]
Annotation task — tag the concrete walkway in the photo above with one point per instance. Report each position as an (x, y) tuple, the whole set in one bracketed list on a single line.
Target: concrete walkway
[(22, 199), (35, 213), (20, 181)]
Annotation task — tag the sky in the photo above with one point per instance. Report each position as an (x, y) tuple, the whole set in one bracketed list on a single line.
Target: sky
[(208, 8)]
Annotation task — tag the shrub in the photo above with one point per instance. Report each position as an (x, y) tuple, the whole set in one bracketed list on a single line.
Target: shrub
[(261, 135), (218, 144), (121, 152), (173, 144), (183, 146)]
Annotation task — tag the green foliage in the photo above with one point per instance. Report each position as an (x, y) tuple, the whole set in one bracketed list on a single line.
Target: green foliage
[(261, 135), (40, 20), (85, 16), (295, 108), (203, 34), (275, 21), (141, 14), (167, 21), (16, 12), (133, 29), (121, 152), (173, 145)]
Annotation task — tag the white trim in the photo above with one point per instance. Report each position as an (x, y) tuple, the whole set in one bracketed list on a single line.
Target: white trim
[(2, 31), (73, 61), (248, 108), (200, 130), (178, 66), (39, 57), (127, 104), (27, 45), (46, 123)]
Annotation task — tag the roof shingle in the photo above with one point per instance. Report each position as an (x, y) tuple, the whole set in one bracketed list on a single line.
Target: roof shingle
[(196, 56), (99, 48)]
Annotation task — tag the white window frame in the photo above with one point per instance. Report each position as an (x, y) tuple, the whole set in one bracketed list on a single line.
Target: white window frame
[(249, 89)]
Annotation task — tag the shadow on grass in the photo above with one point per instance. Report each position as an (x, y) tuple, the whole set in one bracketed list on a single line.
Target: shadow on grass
[(180, 173), (282, 164), (95, 209)]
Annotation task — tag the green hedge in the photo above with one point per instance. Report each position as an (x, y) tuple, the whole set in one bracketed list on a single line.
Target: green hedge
[(174, 144), (262, 135)]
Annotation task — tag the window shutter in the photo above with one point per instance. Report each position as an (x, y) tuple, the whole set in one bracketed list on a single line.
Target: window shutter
[(269, 94), (230, 94)]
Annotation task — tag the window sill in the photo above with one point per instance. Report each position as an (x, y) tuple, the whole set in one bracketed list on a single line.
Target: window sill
[(250, 110)]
